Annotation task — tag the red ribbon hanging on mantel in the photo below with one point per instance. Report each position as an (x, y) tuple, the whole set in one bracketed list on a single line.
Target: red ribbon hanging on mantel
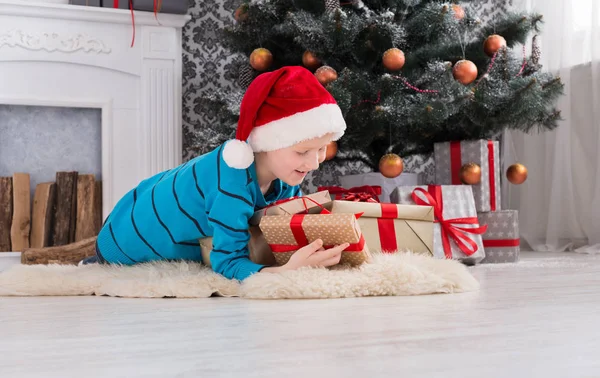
[(456, 164), (501, 243), (449, 228), (365, 193), (116, 5), (302, 240)]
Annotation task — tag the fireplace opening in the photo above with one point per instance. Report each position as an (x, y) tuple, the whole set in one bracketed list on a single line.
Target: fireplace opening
[(55, 153)]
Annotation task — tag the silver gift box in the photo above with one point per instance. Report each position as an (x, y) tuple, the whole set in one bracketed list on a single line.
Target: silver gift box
[(472, 151), (457, 203), (501, 236)]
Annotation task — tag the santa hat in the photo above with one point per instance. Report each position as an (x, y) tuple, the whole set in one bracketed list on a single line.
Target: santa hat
[(279, 109)]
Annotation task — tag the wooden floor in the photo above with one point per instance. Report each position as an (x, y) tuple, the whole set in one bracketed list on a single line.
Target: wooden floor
[(540, 318)]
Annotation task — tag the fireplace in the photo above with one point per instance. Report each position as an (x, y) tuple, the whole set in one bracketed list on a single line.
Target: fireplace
[(81, 57), (78, 57)]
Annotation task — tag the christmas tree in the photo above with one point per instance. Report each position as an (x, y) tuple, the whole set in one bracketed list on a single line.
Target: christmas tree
[(406, 73)]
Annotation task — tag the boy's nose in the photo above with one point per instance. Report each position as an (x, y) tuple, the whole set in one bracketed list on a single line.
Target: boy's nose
[(313, 162)]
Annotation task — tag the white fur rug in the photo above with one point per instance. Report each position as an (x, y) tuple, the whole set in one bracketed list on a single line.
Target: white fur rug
[(397, 274)]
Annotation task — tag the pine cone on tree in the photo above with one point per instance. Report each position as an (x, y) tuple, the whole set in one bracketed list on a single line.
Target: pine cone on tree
[(332, 5), (246, 75), (536, 51)]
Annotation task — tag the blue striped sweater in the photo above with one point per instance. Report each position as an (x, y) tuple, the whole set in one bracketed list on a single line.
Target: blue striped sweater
[(165, 215)]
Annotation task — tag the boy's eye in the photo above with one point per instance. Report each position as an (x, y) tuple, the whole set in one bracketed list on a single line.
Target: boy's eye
[(302, 153)]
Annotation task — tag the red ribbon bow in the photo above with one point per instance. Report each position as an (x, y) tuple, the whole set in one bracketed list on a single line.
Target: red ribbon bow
[(365, 193), (449, 226)]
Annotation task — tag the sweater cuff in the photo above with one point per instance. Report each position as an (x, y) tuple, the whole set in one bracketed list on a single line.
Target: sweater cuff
[(246, 268)]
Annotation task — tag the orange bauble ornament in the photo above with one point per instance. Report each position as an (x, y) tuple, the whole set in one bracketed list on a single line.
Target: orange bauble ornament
[(391, 165), (241, 14), (465, 71), (261, 59), (310, 61), (332, 149), (493, 43), (326, 75), (459, 12), (393, 59), (470, 174), (516, 174)]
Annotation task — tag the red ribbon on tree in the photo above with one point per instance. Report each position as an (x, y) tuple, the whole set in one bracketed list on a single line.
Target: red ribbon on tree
[(365, 193), (456, 164), (302, 240), (449, 228)]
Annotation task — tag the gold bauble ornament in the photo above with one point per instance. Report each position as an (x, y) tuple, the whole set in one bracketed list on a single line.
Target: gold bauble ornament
[(459, 12), (326, 75), (310, 61), (393, 59), (516, 174), (470, 174), (332, 149), (493, 43), (261, 59), (241, 14), (391, 165), (465, 71)]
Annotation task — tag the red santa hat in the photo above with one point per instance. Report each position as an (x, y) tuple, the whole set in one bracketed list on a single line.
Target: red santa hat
[(279, 109)]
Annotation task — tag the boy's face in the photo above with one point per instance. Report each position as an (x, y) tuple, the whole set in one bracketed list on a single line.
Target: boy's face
[(291, 164)]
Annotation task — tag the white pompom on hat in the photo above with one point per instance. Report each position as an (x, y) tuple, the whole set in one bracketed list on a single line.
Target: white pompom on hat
[(279, 109)]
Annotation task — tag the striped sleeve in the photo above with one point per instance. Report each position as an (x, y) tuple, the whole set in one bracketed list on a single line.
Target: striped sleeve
[(229, 217)]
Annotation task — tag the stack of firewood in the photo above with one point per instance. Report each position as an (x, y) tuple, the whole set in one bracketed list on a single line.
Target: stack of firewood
[(64, 212)]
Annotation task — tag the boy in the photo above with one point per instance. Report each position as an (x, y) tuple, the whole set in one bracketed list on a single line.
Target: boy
[(286, 121)]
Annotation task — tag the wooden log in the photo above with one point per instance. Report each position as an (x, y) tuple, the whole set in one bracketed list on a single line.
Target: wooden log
[(71, 253), (21, 220), (98, 216), (85, 219), (6, 212), (66, 184), (43, 205)]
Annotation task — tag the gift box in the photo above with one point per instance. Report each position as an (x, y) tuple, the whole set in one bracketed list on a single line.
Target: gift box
[(501, 240), (285, 234), (357, 194), (310, 203), (389, 227), (89, 3), (377, 179), (120, 4), (451, 156), (259, 251), (457, 232), (162, 6)]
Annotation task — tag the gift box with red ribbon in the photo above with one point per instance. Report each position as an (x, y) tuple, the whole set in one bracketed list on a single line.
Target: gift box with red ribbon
[(501, 240), (457, 233), (386, 185), (365, 193), (451, 156), (388, 227), (311, 203), (285, 234)]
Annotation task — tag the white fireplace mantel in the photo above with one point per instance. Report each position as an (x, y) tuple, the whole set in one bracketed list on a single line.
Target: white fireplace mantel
[(77, 56)]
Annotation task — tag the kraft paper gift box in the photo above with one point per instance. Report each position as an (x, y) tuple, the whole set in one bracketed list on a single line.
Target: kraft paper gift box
[(390, 227), (457, 232), (285, 234), (89, 3), (293, 206), (451, 156), (501, 240), (377, 179), (259, 251)]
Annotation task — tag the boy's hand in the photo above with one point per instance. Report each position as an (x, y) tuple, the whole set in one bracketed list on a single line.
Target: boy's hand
[(311, 255), (314, 255)]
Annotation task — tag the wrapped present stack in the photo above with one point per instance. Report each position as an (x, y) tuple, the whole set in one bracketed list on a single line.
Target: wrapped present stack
[(477, 163)]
